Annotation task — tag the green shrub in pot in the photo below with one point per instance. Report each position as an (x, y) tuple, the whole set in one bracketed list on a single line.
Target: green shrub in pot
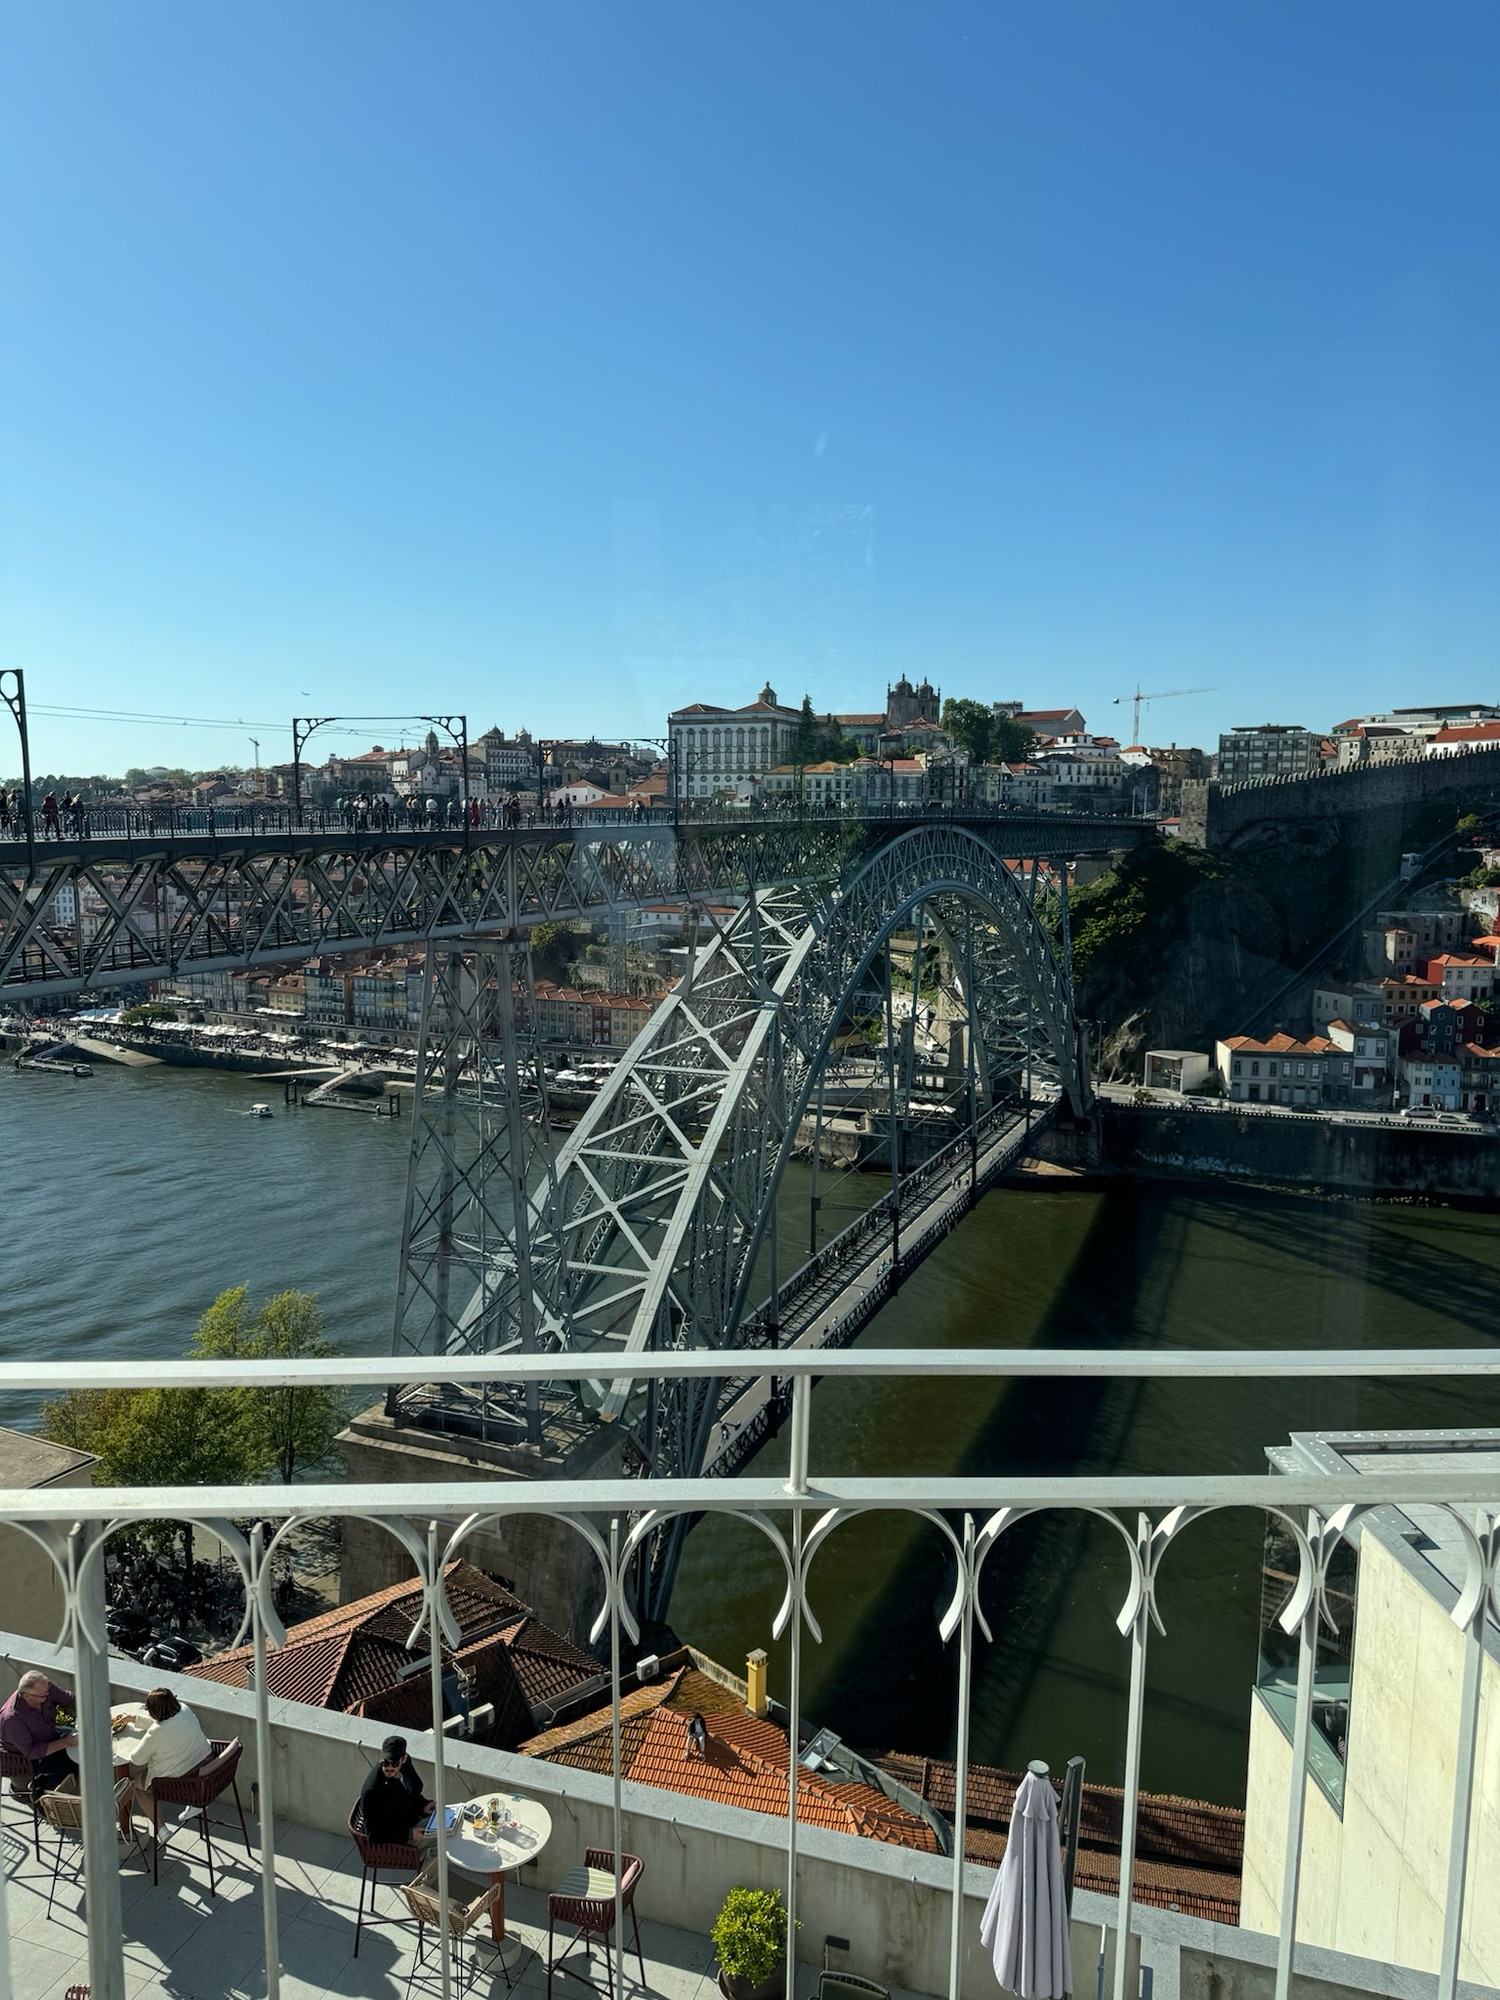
[(749, 1935)]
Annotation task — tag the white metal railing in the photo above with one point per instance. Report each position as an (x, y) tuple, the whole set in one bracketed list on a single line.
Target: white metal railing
[(797, 1514)]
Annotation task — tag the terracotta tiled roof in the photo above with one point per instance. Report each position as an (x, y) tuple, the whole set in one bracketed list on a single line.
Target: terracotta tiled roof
[(1189, 1853), (355, 1657), (745, 1763), (1281, 1045), (1467, 732), (557, 1745), (547, 1666)]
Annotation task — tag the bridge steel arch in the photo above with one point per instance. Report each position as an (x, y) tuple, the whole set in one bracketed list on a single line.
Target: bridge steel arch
[(646, 1229)]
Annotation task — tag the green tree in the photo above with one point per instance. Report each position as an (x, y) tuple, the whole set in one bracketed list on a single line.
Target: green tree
[(1111, 914), (971, 725), (1012, 742), (157, 1437), (553, 948), (287, 1429), (148, 1012), (820, 739), (806, 736)]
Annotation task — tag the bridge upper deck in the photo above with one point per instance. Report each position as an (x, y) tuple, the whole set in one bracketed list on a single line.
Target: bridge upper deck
[(111, 902)]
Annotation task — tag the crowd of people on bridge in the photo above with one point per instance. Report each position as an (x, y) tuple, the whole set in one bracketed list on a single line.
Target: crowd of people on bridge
[(72, 817)]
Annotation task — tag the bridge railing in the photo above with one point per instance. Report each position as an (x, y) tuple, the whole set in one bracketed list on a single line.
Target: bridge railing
[(82, 825), (1450, 1503)]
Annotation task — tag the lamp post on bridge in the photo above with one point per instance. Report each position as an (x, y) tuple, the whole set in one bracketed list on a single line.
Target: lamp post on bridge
[(13, 688), (303, 727), (455, 727)]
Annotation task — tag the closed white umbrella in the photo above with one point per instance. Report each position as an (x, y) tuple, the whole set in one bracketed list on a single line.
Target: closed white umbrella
[(1025, 1921)]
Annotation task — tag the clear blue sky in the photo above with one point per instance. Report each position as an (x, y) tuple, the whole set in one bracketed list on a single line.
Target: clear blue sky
[(563, 362)]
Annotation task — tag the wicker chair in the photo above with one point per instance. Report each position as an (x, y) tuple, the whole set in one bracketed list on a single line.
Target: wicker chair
[(585, 1899), (198, 1790), (421, 1898), (397, 1857), (62, 1810), (18, 1770)]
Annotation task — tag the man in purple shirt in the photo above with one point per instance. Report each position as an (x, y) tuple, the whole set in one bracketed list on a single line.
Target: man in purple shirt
[(28, 1725)]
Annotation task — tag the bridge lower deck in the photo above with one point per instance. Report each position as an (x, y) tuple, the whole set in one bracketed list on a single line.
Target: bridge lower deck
[(836, 1294)]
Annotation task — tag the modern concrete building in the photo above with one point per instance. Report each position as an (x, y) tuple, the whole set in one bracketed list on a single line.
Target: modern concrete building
[(1386, 1724), (1176, 1069), (1267, 750)]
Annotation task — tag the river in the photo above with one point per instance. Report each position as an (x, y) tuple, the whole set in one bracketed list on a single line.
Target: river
[(128, 1201)]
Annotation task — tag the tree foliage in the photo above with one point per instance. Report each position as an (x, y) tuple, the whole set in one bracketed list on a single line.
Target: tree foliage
[(820, 739), (155, 1437), (287, 1429), (213, 1437), (1012, 741), (1112, 913), (971, 724), (553, 949), (987, 737)]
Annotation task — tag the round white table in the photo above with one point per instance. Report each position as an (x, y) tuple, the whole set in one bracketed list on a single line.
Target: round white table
[(485, 1851), (126, 1742)]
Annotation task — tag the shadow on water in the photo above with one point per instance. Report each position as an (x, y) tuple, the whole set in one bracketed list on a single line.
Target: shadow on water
[(1143, 1264)]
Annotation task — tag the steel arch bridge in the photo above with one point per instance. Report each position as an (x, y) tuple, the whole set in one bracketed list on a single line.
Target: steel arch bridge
[(135, 903), (652, 1225)]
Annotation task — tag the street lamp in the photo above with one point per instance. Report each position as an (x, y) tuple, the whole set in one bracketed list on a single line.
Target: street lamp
[(13, 688), (455, 727)]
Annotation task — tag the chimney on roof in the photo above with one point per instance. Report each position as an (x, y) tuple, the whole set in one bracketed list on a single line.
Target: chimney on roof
[(755, 1682)]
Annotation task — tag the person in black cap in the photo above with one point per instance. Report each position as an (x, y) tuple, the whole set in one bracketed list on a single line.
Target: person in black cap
[(393, 1799)]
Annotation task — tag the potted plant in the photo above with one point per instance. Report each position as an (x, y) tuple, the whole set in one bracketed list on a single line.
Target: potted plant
[(749, 1936)]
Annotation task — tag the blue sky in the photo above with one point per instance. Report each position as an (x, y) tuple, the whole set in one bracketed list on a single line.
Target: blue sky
[(564, 362)]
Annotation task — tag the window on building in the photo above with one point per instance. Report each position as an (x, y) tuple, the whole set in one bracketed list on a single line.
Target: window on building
[(1334, 1665)]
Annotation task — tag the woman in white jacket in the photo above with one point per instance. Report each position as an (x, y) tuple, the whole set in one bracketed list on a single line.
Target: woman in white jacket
[(171, 1747)]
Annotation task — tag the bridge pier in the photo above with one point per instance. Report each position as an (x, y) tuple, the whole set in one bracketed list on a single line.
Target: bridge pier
[(547, 1564)]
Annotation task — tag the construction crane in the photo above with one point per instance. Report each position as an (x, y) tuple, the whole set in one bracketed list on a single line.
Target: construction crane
[(1138, 701)]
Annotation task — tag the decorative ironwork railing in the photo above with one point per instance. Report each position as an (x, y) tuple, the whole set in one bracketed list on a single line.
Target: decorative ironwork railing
[(798, 1515)]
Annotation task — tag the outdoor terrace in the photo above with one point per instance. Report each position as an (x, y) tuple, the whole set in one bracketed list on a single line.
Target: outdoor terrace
[(911, 1919)]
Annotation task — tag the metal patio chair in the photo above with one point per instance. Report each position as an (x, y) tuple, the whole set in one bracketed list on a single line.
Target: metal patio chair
[(394, 1856), (62, 1810), (17, 1771), (849, 1986), (585, 1898), (197, 1791), (421, 1898)]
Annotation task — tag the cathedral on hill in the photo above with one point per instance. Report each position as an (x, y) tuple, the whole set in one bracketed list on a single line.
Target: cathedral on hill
[(905, 704)]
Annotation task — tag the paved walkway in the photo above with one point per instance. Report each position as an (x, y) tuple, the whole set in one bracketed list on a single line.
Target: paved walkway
[(180, 1945)]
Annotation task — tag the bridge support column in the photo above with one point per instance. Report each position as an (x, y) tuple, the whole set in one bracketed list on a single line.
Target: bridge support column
[(481, 1180)]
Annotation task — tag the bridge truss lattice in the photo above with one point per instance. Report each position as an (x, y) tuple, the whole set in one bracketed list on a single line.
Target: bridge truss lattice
[(655, 1221)]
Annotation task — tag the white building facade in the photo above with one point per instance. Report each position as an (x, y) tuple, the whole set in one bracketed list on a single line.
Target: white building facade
[(728, 749)]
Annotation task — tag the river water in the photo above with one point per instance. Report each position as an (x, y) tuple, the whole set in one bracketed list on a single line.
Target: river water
[(127, 1202)]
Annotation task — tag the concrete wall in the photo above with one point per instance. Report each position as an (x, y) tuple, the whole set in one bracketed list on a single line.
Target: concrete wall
[(1374, 1877), (1218, 816), (550, 1566), (31, 1597), (894, 1906), (1305, 1150)]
